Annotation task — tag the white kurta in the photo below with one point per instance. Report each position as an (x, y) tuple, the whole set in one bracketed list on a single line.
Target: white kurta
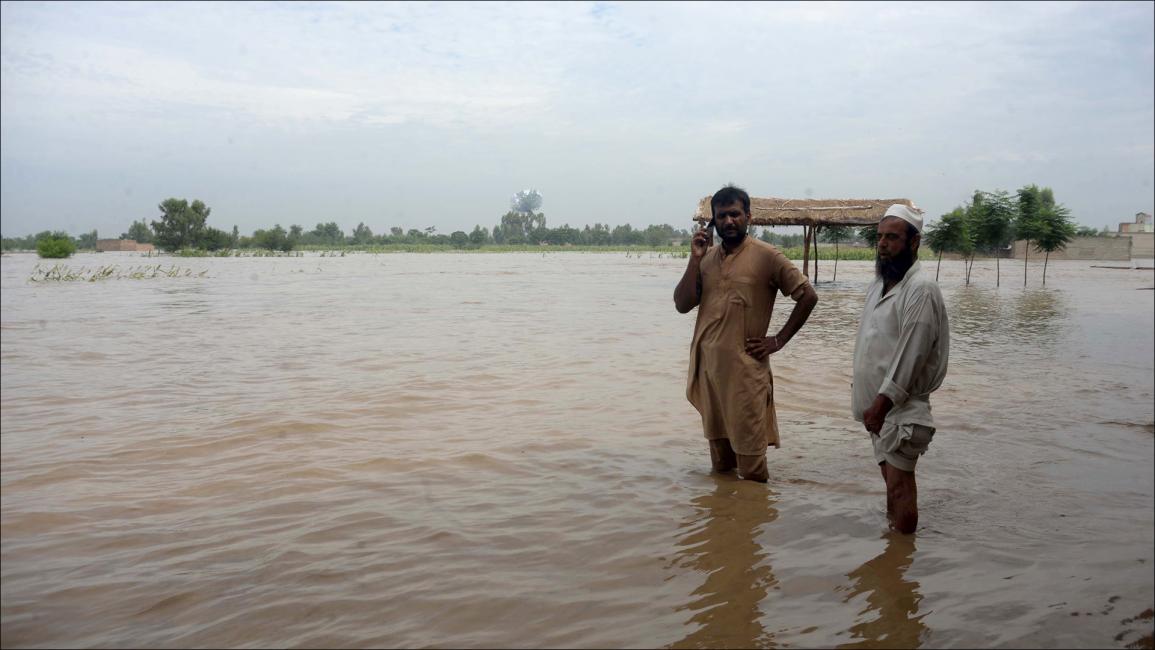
[(902, 348)]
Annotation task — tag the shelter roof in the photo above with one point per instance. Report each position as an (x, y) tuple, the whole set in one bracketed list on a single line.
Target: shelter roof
[(771, 211)]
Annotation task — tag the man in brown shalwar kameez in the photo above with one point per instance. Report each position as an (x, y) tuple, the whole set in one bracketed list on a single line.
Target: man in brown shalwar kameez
[(734, 286)]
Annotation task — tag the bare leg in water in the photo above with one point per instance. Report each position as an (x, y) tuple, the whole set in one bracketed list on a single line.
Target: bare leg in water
[(901, 499)]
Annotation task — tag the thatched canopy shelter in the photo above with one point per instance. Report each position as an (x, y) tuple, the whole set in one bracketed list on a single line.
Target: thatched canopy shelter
[(772, 211), (811, 214)]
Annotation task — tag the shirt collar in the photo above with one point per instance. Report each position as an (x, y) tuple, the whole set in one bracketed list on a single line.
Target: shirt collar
[(910, 273)]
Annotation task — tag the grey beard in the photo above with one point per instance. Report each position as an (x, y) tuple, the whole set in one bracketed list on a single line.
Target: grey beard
[(894, 269)]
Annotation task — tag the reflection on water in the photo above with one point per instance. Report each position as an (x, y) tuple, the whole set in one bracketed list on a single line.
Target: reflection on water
[(1039, 313), (989, 318), (974, 313), (721, 542), (891, 617)]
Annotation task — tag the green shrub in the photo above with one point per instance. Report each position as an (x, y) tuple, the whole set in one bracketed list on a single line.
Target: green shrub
[(55, 247)]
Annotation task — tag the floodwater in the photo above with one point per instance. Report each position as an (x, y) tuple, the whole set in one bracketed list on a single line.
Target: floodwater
[(457, 450)]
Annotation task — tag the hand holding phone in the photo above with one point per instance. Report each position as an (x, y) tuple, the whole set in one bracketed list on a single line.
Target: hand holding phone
[(702, 240)]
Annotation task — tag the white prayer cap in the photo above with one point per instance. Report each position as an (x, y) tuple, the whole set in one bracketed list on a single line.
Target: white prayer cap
[(913, 216)]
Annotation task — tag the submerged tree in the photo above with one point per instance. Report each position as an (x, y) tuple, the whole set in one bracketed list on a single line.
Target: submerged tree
[(989, 223), (274, 239), (328, 233), (139, 232), (362, 234), (55, 245), (836, 234), (948, 234), (1027, 225), (215, 240), (1055, 231), (181, 223), (479, 236), (87, 240)]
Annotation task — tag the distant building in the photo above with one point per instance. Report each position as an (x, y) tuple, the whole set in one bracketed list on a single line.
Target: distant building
[(130, 245), (1142, 223), (1141, 232)]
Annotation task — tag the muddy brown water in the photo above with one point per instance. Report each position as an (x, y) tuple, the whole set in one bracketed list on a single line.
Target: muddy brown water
[(456, 450)]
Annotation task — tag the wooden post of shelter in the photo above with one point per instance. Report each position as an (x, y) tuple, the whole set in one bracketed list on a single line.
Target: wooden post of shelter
[(811, 214), (817, 230), (806, 251)]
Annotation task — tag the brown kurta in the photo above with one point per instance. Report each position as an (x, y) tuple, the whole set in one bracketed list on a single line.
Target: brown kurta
[(732, 390)]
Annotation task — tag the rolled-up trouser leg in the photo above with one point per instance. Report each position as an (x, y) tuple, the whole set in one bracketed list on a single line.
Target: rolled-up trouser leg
[(753, 468), (722, 455)]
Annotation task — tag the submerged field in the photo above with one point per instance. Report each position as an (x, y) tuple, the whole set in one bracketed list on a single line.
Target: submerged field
[(495, 451)]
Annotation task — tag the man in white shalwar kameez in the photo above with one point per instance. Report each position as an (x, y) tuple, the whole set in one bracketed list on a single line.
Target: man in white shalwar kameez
[(900, 358)]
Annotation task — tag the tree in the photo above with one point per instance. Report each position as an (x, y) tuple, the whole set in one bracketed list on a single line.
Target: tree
[(869, 235), (362, 235), (214, 240), (329, 233), (948, 234), (22, 243), (87, 240), (965, 246), (1055, 231), (598, 235), (1027, 225), (459, 239), (516, 227), (658, 235), (139, 232), (835, 234), (990, 224), (563, 236), (180, 223), (1086, 231), (625, 235), (479, 236), (275, 239), (55, 245)]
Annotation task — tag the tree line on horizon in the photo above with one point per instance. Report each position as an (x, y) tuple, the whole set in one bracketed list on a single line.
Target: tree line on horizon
[(987, 224), (183, 225)]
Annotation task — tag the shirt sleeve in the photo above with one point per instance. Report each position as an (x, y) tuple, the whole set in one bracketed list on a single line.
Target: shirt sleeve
[(789, 279), (915, 342)]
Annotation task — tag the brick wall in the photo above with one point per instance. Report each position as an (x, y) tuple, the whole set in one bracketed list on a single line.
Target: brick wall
[(1086, 248)]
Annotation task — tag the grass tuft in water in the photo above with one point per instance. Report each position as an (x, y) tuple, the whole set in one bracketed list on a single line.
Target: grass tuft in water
[(64, 273)]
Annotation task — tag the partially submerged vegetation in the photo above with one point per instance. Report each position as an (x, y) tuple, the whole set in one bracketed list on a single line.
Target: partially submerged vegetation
[(231, 252), (992, 221), (64, 273), (55, 247)]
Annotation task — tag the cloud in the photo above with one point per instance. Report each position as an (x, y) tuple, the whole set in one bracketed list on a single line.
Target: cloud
[(385, 104)]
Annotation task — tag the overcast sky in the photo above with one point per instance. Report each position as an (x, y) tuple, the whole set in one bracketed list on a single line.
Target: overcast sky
[(412, 115)]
